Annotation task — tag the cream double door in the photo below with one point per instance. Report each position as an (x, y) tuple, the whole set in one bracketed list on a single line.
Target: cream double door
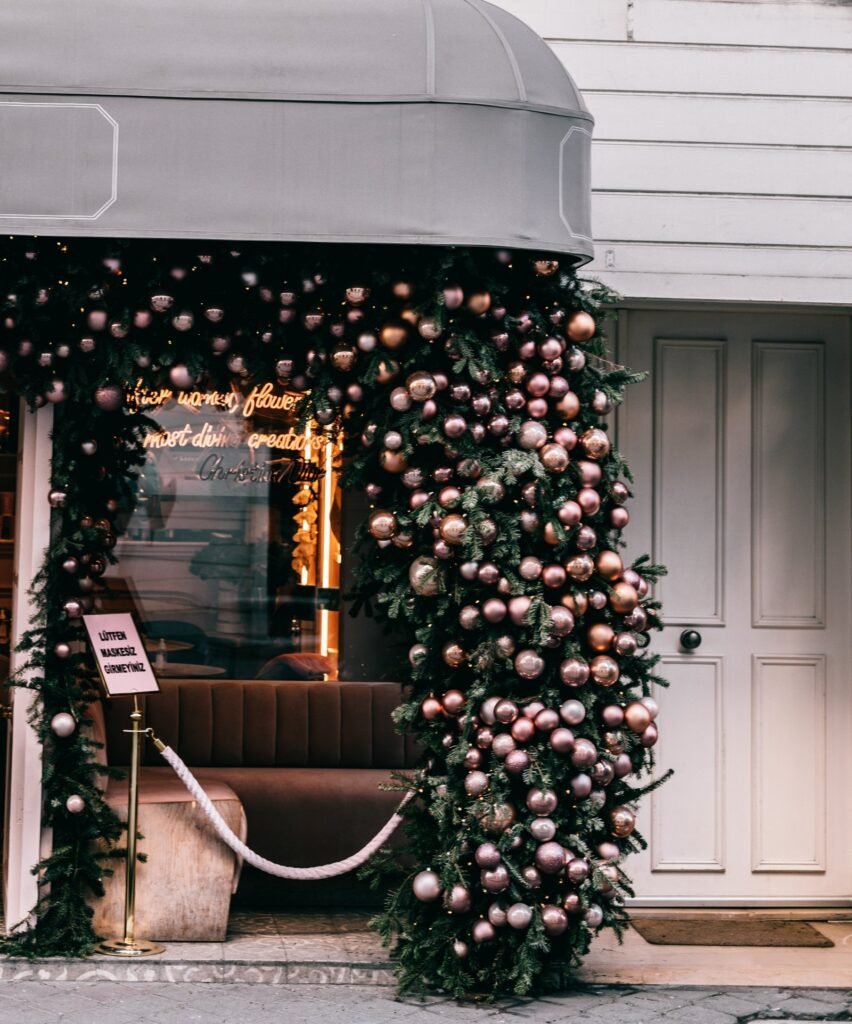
[(739, 443)]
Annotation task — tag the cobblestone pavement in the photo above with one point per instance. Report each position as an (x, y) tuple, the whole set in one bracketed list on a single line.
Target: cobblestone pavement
[(168, 1003)]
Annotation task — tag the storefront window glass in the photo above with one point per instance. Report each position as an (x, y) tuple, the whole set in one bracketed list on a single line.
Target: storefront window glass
[(230, 558)]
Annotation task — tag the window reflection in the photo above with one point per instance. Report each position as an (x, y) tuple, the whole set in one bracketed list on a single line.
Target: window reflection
[(231, 557)]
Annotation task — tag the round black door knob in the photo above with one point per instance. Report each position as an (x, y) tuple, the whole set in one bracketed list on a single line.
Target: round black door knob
[(690, 639)]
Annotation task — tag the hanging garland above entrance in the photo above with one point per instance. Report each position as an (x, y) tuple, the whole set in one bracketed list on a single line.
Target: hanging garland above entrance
[(472, 390)]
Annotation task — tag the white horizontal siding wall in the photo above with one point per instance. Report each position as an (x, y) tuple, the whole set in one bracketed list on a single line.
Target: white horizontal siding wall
[(722, 161)]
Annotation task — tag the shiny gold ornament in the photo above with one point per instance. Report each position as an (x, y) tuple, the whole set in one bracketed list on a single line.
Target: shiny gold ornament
[(344, 359), (595, 443), (600, 636), (580, 327), (623, 598), (452, 528), (622, 821), (393, 336), (382, 524), (576, 603), (637, 717), (609, 565), (393, 462), (580, 567)]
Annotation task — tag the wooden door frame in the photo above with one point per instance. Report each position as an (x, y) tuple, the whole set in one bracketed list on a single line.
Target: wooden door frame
[(618, 334), (26, 842)]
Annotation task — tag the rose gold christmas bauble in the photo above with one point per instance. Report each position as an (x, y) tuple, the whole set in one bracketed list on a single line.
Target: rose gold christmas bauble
[(595, 443), (453, 701), (561, 619), (568, 406), (475, 783), (553, 576), (576, 603), (523, 730), (519, 916), (550, 858), (554, 458), (502, 745), (600, 636), (529, 664), (426, 886), (424, 576), (580, 327), (421, 385), (622, 821), (604, 670), (479, 302), (498, 818), (382, 524), (623, 598), (562, 740), (619, 517), (495, 879), (542, 802), (573, 672), (344, 359), (609, 565), (517, 762), (589, 501)]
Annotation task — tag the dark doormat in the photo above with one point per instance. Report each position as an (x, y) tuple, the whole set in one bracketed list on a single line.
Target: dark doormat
[(708, 930)]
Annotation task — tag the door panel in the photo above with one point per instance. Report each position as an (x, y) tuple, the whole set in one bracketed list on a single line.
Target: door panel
[(739, 442)]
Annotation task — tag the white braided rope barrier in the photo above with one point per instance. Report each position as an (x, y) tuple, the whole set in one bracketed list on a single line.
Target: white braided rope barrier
[(339, 867)]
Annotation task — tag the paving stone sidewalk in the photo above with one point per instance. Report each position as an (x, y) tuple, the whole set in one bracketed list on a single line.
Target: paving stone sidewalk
[(33, 1002)]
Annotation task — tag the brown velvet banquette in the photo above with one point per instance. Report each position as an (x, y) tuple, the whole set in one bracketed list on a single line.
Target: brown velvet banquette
[(307, 760)]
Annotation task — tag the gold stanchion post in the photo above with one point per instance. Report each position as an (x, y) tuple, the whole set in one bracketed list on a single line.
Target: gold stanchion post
[(130, 946)]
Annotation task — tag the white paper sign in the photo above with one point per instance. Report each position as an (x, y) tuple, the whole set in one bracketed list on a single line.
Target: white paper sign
[(120, 655)]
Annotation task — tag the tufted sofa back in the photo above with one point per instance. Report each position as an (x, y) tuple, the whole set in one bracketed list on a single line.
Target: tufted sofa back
[(267, 724)]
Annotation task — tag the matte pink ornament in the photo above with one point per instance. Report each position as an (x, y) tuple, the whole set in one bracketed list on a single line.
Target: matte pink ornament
[(612, 716), (608, 851), (581, 785), (494, 610), (518, 608), (622, 766), (532, 876), (537, 408), (570, 513), (453, 701), (559, 387), (594, 916), (566, 437), (532, 435), (519, 916), (469, 616), (497, 915), (487, 855), (584, 753), (553, 576), (487, 709), (550, 858), (475, 783), (426, 886), (547, 720), (482, 931), (517, 762), (650, 736), (458, 899), (529, 520), (523, 730), (495, 879), (572, 711), (473, 758), (619, 517), (502, 745), (652, 706), (562, 740), (542, 829)]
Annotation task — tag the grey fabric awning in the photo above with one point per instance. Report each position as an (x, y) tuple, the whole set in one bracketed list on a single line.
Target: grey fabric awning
[(422, 121)]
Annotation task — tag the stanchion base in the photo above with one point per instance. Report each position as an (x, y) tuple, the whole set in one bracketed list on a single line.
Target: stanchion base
[(136, 948)]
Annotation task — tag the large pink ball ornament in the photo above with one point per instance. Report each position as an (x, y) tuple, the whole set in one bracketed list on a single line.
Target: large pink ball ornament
[(554, 458), (502, 745), (458, 899), (482, 931), (580, 567), (382, 524), (584, 753), (622, 766), (453, 701), (421, 386), (432, 709), (75, 804), (63, 724), (594, 916), (650, 736), (517, 762), (581, 786), (561, 620), (554, 919), (495, 879), (542, 829), (542, 802), (532, 435), (595, 443), (475, 783), (519, 916), (547, 720), (572, 712), (523, 730), (487, 855), (562, 740), (426, 886), (550, 858), (497, 915), (577, 870)]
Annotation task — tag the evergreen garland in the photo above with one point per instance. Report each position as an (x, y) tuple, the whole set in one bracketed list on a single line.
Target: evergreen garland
[(472, 389)]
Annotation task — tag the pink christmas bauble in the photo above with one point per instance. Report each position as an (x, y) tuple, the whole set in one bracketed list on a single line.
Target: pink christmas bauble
[(550, 858), (519, 916), (426, 886), (554, 919)]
